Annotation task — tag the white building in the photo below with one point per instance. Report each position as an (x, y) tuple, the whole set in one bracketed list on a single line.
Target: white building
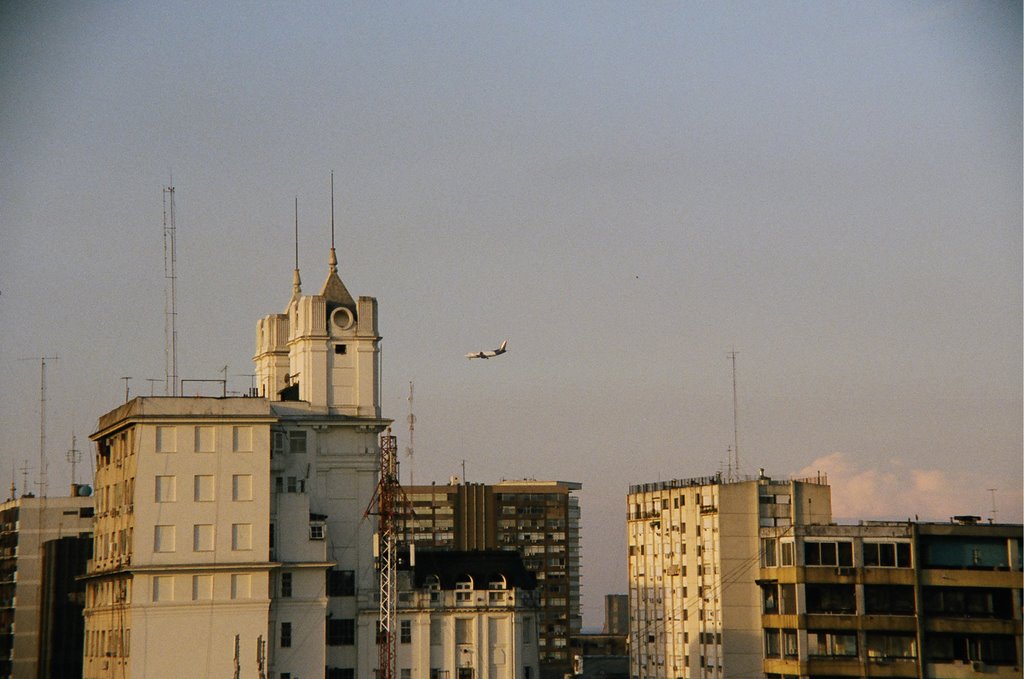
[(26, 523), (694, 556), (466, 615), (230, 531)]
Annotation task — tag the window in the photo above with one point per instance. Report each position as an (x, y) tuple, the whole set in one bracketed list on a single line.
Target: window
[(341, 673), (889, 600), (241, 585), (835, 644), (787, 597), (202, 537), (341, 583), (968, 602), (891, 645), (463, 630), (286, 635), (241, 536), (789, 647), (828, 554), (772, 649), (991, 649), (787, 553), (464, 590), (241, 439), (768, 547), (317, 530), (286, 585), (340, 349), (406, 673), (341, 632), (297, 442), (830, 598), (163, 538), (241, 487), (163, 588), (166, 440), (165, 489), (405, 631), (887, 554), (202, 587), (204, 439), (203, 488), (770, 599)]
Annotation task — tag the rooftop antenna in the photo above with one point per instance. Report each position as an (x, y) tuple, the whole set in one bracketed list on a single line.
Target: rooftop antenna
[(152, 384), (74, 457), (170, 295), (333, 261), (42, 420), (735, 416), (24, 477), (412, 428), (126, 380), (14, 490), (993, 492)]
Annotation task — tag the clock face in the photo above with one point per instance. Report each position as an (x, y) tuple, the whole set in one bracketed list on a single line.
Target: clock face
[(342, 319)]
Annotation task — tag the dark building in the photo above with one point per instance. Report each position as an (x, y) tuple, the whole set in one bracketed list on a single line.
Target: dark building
[(61, 625)]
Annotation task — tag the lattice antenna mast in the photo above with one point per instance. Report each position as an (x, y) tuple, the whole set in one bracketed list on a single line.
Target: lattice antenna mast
[(386, 502), (170, 296), (42, 421), (412, 429), (735, 417)]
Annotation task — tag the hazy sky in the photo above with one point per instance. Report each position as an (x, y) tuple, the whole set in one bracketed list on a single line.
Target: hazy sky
[(626, 191)]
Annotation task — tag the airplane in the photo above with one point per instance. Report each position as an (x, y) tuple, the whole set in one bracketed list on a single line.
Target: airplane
[(489, 354)]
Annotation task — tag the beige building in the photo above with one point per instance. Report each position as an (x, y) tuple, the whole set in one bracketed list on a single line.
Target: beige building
[(892, 599), (537, 519), (465, 615), (26, 524), (233, 527), (693, 561)]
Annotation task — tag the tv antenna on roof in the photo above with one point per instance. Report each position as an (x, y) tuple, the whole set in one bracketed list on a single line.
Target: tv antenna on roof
[(42, 420), (74, 457), (170, 295), (735, 419)]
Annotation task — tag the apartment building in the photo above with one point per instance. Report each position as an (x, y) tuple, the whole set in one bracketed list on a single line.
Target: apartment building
[(28, 525), (537, 519), (465, 615), (233, 527), (892, 599), (695, 608)]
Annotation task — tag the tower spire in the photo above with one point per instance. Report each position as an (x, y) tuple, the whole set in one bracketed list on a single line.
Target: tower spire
[(333, 260), (296, 279)]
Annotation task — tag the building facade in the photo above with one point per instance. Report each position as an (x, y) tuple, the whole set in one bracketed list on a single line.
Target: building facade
[(693, 561), (234, 527), (892, 600), (537, 519), (465, 615), (27, 525)]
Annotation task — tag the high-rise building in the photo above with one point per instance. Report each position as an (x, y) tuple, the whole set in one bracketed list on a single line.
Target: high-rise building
[(27, 525), (892, 599), (537, 519), (693, 562), (233, 527)]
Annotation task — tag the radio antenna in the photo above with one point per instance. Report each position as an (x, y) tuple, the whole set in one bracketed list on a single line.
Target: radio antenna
[(170, 295), (735, 417), (42, 420)]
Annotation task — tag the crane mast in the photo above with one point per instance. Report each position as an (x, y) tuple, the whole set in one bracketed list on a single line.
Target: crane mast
[(386, 502)]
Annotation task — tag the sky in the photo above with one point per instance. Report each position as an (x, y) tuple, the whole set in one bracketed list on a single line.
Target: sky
[(627, 192)]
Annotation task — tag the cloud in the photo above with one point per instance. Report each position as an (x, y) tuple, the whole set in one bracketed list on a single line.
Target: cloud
[(895, 491)]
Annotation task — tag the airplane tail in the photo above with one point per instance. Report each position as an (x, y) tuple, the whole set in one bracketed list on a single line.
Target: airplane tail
[(503, 345)]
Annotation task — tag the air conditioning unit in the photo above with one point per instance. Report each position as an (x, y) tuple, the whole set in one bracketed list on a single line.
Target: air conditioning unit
[(978, 665)]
